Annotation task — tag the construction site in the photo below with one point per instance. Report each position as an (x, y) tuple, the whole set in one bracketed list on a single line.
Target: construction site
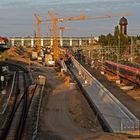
[(59, 87)]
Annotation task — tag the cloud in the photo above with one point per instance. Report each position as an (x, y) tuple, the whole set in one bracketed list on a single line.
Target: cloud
[(21, 12)]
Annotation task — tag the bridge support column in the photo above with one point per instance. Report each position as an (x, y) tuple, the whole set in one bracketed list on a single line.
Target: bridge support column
[(80, 42), (22, 42), (42, 43), (32, 42), (51, 41), (70, 41), (61, 42), (12, 42)]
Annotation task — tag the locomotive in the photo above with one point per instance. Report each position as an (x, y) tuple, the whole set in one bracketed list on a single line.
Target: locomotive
[(128, 72)]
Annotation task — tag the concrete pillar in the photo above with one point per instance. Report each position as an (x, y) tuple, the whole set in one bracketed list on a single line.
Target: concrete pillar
[(32, 42), (51, 40), (61, 42), (13, 42), (22, 42), (42, 43), (80, 42), (70, 41)]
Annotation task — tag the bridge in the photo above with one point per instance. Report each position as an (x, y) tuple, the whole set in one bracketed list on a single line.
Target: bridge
[(48, 41)]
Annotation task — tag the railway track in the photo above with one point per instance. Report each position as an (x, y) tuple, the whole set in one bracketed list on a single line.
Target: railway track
[(15, 120), (24, 110)]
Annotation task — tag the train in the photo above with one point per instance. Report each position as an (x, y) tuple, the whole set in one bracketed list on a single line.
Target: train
[(125, 71)]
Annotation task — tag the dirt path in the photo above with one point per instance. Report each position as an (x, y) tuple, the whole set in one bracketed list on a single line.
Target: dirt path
[(56, 118)]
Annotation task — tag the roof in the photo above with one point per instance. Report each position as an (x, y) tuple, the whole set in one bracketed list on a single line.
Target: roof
[(123, 21)]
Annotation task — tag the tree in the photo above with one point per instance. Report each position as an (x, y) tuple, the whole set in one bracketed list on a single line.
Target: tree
[(110, 39), (103, 40), (116, 31), (116, 34)]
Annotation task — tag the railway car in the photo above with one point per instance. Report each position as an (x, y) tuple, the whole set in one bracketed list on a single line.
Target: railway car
[(128, 72)]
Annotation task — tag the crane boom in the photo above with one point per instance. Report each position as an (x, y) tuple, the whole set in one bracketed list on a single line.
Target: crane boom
[(84, 17), (61, 28)]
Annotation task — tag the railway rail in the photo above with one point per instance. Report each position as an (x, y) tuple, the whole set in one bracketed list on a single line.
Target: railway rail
[(14, 125), (25, 106)]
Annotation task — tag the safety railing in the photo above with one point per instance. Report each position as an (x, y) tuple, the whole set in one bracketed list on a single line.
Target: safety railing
[(119, 115)]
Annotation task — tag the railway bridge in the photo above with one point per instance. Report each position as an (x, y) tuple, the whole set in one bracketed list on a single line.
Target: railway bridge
[(48, 41)]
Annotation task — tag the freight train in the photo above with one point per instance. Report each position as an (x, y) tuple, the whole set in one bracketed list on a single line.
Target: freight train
[(128, 72)]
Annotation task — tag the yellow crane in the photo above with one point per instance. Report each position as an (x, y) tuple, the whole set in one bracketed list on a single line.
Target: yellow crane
[(61, 28), (55, 35), (55, 21)]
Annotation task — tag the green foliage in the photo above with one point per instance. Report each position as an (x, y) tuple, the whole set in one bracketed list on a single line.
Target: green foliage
[(124, 40), (116, 31), (116, 34), (103, 40), (138, 42), (110, 40)]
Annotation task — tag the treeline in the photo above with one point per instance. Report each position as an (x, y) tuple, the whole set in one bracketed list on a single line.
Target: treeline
[(114, 40)]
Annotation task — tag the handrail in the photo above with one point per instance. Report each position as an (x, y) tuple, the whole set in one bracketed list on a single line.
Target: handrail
[(5, 107), (128, 116)]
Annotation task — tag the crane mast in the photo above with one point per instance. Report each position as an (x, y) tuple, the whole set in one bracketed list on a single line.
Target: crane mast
[(55, 35)]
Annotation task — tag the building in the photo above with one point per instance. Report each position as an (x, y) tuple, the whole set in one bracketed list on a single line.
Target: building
[(123, 25)]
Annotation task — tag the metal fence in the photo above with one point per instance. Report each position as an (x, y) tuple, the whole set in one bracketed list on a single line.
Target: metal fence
[(115, 114)]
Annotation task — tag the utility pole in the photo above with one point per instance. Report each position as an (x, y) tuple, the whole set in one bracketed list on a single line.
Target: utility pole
[(118, 58), (132, 51), (102, 60)]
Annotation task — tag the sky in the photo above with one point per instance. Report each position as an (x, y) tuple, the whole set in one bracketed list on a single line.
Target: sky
[(17, 16)]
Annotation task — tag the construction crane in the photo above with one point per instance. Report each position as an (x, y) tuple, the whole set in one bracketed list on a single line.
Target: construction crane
[(55, 21), (61, 28), (38, 21), (55, 35), (51, 32)]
